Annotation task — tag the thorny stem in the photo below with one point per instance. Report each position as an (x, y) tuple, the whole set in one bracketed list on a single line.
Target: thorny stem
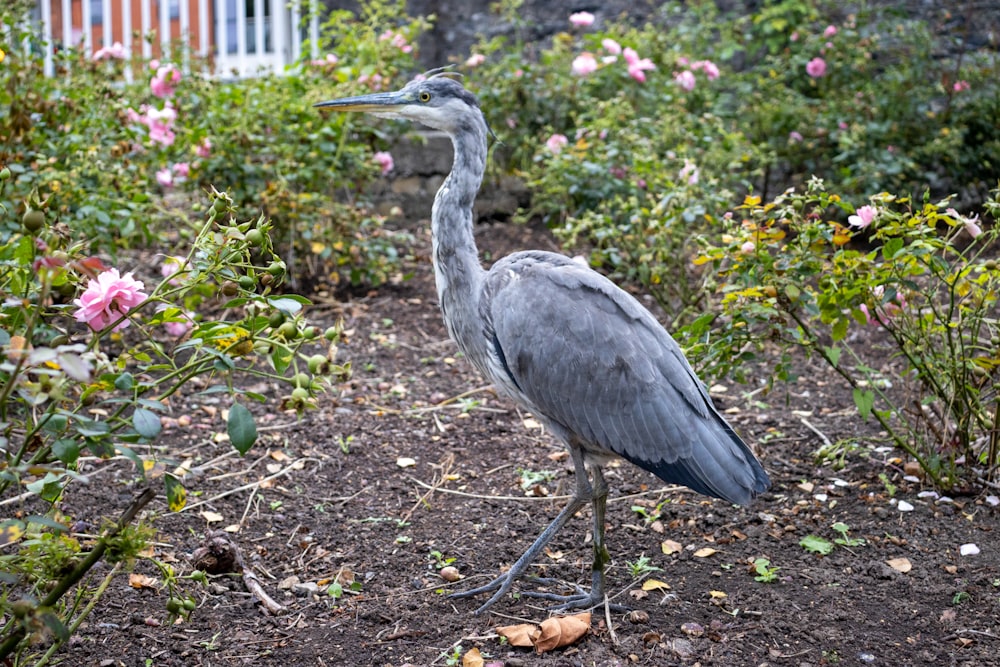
[(94, 598), (813, 342), (29, 327), (84, 566), (994, 449)]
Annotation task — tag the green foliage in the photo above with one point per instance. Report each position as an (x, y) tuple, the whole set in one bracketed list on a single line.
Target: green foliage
[(846, 540), (62, 137), (917, 287), (817, 545), (641, 567), (101, 150), (68, 390), (765, 572), (648, 165)]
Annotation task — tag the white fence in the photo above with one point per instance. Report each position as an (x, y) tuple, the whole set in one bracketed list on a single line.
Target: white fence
[(238, 37)]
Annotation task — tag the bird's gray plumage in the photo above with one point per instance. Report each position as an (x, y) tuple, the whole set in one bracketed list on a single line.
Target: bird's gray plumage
[(567, 344)]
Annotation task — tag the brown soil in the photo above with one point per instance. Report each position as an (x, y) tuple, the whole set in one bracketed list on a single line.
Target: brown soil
[(334, 503)]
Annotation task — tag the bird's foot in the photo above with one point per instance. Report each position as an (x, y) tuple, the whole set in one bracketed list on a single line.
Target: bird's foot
[(501, 585), (580, 599)]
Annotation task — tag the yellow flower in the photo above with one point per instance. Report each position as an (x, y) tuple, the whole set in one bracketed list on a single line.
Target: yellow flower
[(2, 55)]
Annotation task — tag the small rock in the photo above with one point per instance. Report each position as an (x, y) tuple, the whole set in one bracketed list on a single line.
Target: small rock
[(638, 616), (450, 574), (683, 648), (305, 589), (692, 629)]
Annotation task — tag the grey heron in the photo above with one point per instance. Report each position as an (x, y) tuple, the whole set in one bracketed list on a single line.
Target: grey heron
[(566, 344)]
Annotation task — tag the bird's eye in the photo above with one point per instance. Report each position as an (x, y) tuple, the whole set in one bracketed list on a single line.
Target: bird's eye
[(425, 96)]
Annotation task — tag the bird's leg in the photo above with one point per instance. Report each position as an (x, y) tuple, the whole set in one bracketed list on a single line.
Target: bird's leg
[(584, 492), (583, 599)]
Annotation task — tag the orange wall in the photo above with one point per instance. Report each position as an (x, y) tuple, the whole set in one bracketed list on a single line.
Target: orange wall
[(76, 7)]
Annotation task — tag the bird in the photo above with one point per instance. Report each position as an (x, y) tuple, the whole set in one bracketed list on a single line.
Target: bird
[(566, 344)]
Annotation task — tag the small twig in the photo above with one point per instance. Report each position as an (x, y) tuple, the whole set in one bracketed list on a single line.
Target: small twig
[(479, 496), (822, 436), (484, 497), (216, 478), (442, 404), (251, 485), (442, 475), (219, 554), (607, 620), (251, 581)]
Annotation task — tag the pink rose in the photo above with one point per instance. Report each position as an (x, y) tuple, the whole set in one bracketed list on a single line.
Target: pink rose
[(107, 298)]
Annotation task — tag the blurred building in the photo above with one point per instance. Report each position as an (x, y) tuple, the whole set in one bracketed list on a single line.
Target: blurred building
[(233, 37)]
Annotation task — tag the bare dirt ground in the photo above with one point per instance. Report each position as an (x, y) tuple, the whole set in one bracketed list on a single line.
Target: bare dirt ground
[(332, 498)]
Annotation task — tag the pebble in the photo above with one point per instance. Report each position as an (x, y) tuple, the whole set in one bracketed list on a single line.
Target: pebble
[(305, 589)]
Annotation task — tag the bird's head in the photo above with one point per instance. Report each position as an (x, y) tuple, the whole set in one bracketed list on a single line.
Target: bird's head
[(437, 101)]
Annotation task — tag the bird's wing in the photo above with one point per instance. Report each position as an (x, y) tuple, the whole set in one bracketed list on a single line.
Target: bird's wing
[(590, 358)]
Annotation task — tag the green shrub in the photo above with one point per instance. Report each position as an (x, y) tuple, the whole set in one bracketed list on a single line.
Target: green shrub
[(74, 381), (900, 300)]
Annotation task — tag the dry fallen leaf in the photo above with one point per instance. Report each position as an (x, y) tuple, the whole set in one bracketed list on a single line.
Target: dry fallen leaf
[(670, 547), (278, 455), (655, 585), (553, 633), (210, 516), (716, 595), (704, 552), (405, 462), (472, 658), (522, 634), (560, 631), (900, 564), (142, 581)]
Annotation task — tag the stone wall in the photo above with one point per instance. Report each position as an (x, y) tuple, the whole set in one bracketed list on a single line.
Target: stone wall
[(460, 23), (422, 161)]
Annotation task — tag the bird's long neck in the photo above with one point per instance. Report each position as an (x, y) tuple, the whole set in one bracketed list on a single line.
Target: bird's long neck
[(457, 270)]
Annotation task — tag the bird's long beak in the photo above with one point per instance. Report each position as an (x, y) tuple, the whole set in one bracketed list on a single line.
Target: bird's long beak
[(373, 103)]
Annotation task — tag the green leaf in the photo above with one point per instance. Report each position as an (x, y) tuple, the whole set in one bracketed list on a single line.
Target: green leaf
[(130, 454), (66, 450), (55, 625), (48, 488), (281, 359), (865, 400), (48, 522), (11, 531), (816, 545), (124, 382), (176, 493), (833, 354), (146, 423), (241, 428), (289, 304)]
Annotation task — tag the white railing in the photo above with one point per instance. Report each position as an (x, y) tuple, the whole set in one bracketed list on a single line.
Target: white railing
[(234, 43)]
